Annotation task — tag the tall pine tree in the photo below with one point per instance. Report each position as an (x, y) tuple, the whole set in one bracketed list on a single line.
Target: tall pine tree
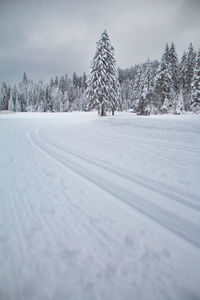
[(189, 73), (102, 85), (174, 68), (196, 86), (163, 81), (144, 107)]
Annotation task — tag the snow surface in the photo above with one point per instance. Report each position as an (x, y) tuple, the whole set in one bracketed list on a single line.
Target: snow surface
[(99, 208)]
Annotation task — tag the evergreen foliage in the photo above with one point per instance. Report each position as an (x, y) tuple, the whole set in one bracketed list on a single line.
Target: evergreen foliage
[(173, 59), (163, 80), (189, 73), (180, 105), (102, 89), (152, 87), (145, 100), (195, 90)]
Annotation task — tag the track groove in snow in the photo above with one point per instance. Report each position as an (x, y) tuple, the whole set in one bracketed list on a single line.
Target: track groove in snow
[(78, 222), (176, 224), (128, 147), (162, 189), (139, 140)]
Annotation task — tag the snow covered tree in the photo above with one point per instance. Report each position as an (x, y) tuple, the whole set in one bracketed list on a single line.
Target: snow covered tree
[(182, 70), (84, 82), (4, 96), (13, 99), (165, 107), (102, 84), (126, 95), (23, 91), (180, 105), (65, 102), (138, 86), (163, 81), (189, 73), (147, 91), (56, 97), (196, 86), (173, 59), (130, 95)]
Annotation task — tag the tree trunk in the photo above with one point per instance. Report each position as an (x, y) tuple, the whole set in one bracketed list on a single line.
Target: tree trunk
[(102, 111)]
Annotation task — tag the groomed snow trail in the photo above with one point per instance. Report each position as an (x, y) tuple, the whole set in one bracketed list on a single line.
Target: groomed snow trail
[(99, 208)]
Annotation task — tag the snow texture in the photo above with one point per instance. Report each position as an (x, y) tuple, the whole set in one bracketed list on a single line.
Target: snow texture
[(99, 208)]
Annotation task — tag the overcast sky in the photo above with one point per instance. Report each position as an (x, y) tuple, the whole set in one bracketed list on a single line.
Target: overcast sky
[(47, 38)]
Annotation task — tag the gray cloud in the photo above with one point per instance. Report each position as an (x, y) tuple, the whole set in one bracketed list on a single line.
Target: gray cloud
[(48, 38)]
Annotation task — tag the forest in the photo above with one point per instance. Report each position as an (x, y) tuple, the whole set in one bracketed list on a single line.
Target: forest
[(152, 87)]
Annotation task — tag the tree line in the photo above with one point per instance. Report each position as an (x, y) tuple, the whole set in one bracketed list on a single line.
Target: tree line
[(153, 87)]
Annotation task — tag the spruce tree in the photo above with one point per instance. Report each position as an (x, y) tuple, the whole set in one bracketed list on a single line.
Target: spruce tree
[(4, 96), (174, 68), (102, 85), (196, 86), (137, 87), (163, 81), (189, 73), (182, 70), (180, 105), (144, 107)]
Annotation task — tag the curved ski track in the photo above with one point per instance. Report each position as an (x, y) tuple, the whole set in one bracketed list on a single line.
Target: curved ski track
[(137, 141), (73, 161), (159, 188)]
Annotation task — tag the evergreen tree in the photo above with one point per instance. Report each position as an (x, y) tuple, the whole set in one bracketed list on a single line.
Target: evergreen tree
[(4, 96), (13, 99), (75, 80), (146, 90), (167, 55), (189, 73), (180, 105), (102, 90), (62, 84), (126, 95), (84, 82), (137, 87), (65, 102), (165, 107), (174, 68), (196, 86), (56, 81), (163, 81), (182, 71), (23, 93), (130, 96)]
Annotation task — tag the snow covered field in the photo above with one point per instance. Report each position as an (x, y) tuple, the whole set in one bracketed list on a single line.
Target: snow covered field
[(99, 208)]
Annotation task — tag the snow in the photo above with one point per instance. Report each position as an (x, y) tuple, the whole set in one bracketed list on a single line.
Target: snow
[(99, 208)]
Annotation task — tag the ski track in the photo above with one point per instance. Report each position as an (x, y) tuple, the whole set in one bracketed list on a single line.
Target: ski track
[(159, 188), (176, 224), (140, 140), (156, 184), (127, 146), (58, 247)]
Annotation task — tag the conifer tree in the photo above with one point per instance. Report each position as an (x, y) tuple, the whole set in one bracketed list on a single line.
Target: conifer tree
[(174, 68), (189, 73), (102, 89), (138, 86), (165, 107), (144, 107), (163, 81), (182, 70), (4, 96), (180, 105), (196, 86)]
